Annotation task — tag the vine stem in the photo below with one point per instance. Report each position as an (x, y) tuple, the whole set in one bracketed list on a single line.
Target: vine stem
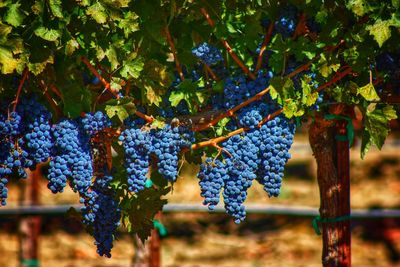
[(108, 88), (174, 53), (267, 39), (214, 141), (21, 84), (211, 72), (97, 74), (231, 111), (228, 47), (49, 99)]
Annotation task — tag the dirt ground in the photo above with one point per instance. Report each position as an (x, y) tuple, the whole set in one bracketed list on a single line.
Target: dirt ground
[(214, 240)]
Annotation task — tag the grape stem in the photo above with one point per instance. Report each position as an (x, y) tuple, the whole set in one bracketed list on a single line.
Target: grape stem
[(267, 39), (97, 74), (212, 142), (228, 47), (21, 84), (174, 53), (210, 71), (301, 28), (50, 100), (108, 88)]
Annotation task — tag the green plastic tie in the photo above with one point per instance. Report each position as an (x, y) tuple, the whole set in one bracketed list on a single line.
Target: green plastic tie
[(160, 228), (149, 183), (349, 128), (318, 219), (30, 262)]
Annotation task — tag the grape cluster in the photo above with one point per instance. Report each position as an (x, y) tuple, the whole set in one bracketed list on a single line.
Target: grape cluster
[(37, 141), (277, 138), (212, 176), (137, 145), (207, 53), (73, 150), (237, 89), (92, 123), (101, 211), (166, 145), (287, 21)]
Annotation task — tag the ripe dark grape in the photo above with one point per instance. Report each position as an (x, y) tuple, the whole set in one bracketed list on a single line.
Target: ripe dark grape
[(72, 145), (207, 53), (287, 21), (212, 176), (166, 145), (277, 137), (92, 123), (137, 145)]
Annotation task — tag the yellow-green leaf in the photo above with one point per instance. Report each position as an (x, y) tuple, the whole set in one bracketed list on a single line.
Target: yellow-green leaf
[(7, 62), (368, 92), (97, 12), (48, 34), (14, 15), (380, 30)]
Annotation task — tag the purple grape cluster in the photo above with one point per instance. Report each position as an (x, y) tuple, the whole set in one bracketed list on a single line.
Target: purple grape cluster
[(92, 123), (73, 150), (212, 175), (166, 145), (137, 145), (207, 53)]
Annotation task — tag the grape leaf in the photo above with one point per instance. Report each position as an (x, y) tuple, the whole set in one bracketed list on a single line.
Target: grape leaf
[(14, 15), (56, 9), (132, 69), (380, 30), (98, 12), (376, 126), (368, 92), (7, 61), (48, 34)]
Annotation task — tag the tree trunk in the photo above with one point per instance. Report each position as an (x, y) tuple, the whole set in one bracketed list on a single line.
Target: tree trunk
[(147, 254), (30, 226), (333, 176)]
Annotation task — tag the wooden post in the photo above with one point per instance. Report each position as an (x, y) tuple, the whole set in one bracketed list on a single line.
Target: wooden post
[(332, 158), (155, 246), (30, 226)]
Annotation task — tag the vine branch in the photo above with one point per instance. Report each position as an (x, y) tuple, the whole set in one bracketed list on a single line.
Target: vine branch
[(212, 142), (21, 84), (97, 74), (267, 39), (50, 100), (174, 53), (228, 47)]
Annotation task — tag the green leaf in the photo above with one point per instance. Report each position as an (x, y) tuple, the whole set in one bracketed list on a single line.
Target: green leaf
[(143, 208), (132, 69), (309, 97), (368, 92), (396, 3), (187, 91), (56, 9), (122, 108), (7, 61), (377, 126), (111, 54), (48, 34), (380, 30), (359, 7), (14, 15), (98, 12), (118, 111)]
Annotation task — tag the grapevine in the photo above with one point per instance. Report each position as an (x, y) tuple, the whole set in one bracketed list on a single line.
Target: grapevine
[(110, 111)]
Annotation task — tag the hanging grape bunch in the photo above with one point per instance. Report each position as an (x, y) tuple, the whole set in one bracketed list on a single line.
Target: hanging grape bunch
[(114, 113)]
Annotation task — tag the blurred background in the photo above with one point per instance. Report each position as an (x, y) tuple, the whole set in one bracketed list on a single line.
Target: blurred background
[(204, 239)]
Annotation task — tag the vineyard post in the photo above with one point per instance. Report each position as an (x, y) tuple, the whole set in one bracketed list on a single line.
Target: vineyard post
[(30, 226), (333, 175)]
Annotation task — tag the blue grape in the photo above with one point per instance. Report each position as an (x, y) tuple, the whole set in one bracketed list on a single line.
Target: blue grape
[(212, 176), (287, 21), (137, 145), (93, 123), (72, 145), (277, 137), (166, 145), (207, 53)]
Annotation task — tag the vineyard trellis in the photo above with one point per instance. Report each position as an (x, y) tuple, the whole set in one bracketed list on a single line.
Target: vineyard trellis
[(222, 84)]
